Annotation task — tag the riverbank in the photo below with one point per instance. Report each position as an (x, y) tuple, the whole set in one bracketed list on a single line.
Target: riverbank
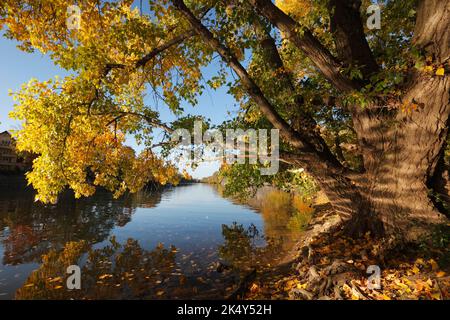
[(327, 265)]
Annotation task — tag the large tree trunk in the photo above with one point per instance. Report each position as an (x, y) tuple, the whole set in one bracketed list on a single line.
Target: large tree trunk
[(440, 184), (403, 151), (401, 156)]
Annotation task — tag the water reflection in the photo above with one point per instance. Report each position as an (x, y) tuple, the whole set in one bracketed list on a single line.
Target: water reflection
[(30, 229), (115, 271), (243, 249), (285, 215), (116, 242), (120, 271), (128, 271)]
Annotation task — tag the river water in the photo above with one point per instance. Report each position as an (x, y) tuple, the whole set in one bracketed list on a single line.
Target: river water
[(182, 242)]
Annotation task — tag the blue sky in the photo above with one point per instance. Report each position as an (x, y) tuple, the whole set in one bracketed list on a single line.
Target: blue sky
[(17, 67)]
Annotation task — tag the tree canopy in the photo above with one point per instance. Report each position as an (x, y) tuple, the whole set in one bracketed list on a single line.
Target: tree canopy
[(312, 69)]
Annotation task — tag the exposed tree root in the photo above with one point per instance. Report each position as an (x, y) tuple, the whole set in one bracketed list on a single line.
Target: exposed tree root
[(331, 265)]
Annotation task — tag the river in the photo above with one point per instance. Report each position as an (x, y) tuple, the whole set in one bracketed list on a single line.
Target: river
[(181, 242)]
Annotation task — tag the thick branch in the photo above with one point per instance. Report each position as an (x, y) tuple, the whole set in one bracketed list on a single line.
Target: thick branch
[(149, 56), (122, 114), (432, 31), (306, 125), (253, 90), (175, 41), (305, 41), (150, 121), (349, 37), (166, 45)]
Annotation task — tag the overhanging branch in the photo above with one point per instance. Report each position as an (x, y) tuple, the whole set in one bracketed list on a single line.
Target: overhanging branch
[(251, 87), (304, 39), (152, 54), (349, 37)]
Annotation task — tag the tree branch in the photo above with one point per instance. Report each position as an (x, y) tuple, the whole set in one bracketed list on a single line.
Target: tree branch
[(432, 30), (349, 37), (149, 56), (306, 125), (153, 122), (175, 41), (252, 88), (166, 45), (305, 41)]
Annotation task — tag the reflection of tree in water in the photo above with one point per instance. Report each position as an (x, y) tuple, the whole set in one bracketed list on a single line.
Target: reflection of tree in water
[(245, 248), (285, 217), (30, 229), (285, 214), (119, 271), (113, 272), (128, 271)]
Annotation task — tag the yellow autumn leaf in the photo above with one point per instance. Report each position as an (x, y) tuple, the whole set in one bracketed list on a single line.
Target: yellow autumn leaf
[(434, 265), (440, 274), (440, 71), (55, 279), (254, 288), (290, 284), (301, 286), (355, 297), (297, 8), (436, 296)]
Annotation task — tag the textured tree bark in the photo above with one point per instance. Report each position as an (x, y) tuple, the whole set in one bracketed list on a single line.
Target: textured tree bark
[(440, 184), (328, 65), (349, 36), (401, 152)]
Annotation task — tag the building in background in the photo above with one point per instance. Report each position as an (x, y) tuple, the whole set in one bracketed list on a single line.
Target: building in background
[(10, 161)]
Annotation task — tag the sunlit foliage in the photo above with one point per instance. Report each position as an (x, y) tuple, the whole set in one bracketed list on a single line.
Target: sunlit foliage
[(79, 125)]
